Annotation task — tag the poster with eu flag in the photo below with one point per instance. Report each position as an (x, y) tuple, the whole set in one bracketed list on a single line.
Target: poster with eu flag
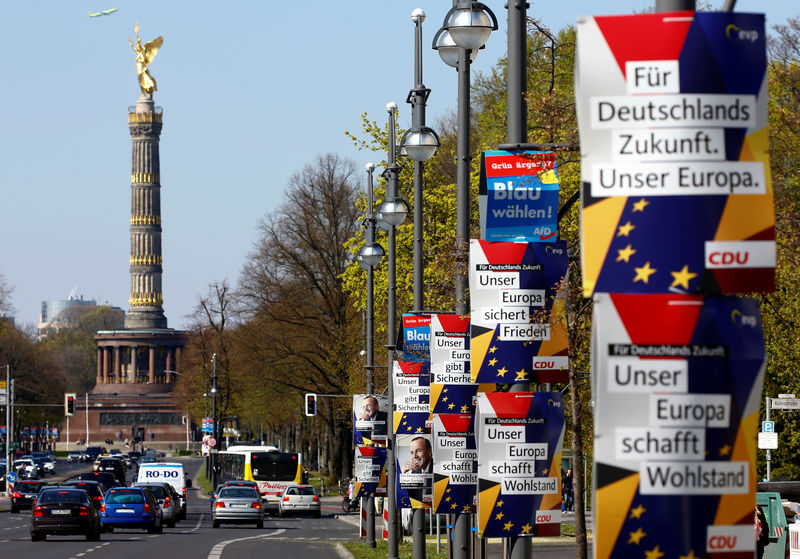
[(676, 188), (677, 385)]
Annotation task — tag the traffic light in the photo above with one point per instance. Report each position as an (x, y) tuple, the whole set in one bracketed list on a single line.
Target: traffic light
[(69, 404), (311, 404)]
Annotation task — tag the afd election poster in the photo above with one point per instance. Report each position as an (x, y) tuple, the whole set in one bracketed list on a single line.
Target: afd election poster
[(370, 419), (518, 196), (677, 393), (370, 467), (415, 335), (455, 465), (412, 392), (520, 439), (518, 303), (672, 116)]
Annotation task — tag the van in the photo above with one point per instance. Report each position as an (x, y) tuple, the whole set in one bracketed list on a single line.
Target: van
[(169, 472)]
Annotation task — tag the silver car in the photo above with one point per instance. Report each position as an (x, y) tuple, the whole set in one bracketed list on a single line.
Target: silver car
[(170, 507), (299, 499), (237, 505)]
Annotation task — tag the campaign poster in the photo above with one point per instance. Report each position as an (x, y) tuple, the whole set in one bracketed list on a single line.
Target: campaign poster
[(672, 116), (452, 389), (677, 393), (412, 389), (414, 339), (455, 466), (370, 419), (518, 320), (520, 439), (414, 471), (518, 196), (370, 466)]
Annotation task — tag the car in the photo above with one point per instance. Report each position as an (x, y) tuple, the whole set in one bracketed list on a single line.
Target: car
[(131, 507), (92, 452), (115, 452), (64, 511), (299, 499), (25, 465), (241, 483), (133, 456), (48, 460), (75, 456), (95, 489), (107, 479), (2, 477), (237, 505), (213, 495), (45, 465), (24, 494), (113, 466), (147, 459), (167, 498)]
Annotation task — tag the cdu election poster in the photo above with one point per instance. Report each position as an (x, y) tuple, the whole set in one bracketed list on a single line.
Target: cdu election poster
[(452, 389), (412, 392), (677, 392), (518, 312), (455, 466), (370, 466), (520, 438), (672, 116), (414, 471), (518, 196), (370, 419)]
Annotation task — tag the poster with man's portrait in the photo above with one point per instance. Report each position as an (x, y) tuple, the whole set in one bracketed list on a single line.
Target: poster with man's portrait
[(414, 471), (370, 419)]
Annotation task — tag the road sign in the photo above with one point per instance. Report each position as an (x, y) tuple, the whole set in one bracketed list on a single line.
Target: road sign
[(785, 395), (212, 442), (767, 426), (785, 403), (11, 477), (768, 441), (3, 399)]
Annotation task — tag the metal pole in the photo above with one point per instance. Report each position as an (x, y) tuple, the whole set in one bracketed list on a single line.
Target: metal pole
[(769, 452), (517, 124), (214, 418), (391, 466), (462, 183), (9, 432), (86, 412), (674, 5), (369, 502), (417, 98)]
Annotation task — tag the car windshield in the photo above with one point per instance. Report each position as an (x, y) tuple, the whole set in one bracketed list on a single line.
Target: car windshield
[(62, 497), (31, 485), (306, 490), (158, 491), (238, 493), (125, 497)]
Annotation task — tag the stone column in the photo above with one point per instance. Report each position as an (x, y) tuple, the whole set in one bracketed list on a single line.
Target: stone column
[(170, 377), (106, 363), (151, 376), (134, 376), (117, 363), (99, 365)]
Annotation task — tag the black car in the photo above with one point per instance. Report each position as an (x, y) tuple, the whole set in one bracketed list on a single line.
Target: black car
[(95, 489), (64, 511), (24, 494), (92, 452), (113, 466), (105, 478)]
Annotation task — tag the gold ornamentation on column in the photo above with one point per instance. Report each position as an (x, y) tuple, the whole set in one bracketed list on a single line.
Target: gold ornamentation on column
[(145, 177), (146, 300), (140, 219), (134, 118), (147, 260)]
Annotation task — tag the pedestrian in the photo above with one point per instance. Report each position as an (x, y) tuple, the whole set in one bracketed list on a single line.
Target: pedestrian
[(566, 491), (305, 475), (762, 531)]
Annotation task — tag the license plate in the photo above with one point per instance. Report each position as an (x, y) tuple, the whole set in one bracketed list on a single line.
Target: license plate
[(239, 506), (60, 511), (130, 511)]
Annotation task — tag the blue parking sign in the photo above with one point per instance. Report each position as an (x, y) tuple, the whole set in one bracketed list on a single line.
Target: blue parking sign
[(767, 426)]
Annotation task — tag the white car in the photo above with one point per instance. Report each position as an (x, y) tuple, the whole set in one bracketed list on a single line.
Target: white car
[(299, 499)]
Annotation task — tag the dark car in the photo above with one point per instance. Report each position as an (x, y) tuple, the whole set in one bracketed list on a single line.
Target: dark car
[(131, 507), (95, 489), (24, 494), (113, 466), (64, 511), (105, 478), (92, 452)]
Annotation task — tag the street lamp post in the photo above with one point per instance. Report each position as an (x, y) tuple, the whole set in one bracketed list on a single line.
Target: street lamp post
[(368, 257), (393, 212), (214, 393), (466, 28)]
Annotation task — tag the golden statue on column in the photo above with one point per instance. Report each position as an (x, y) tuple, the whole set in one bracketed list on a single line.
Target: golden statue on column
[(144, 57)]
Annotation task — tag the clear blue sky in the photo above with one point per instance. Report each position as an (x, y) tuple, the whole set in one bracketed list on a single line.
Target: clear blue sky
[(251, 92)]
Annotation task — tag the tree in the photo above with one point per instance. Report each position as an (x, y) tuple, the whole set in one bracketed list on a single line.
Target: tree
[(300, 331), (6, 307)]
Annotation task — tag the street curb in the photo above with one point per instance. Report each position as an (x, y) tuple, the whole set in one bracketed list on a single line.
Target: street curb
[(343, 552)]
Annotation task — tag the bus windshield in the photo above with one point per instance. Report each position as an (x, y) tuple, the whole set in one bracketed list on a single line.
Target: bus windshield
[(274, 466)]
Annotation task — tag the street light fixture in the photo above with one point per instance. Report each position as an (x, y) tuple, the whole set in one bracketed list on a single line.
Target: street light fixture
[(470, 24)]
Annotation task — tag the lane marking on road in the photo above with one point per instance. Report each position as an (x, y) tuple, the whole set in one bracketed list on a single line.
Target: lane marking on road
[(216, 551)]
